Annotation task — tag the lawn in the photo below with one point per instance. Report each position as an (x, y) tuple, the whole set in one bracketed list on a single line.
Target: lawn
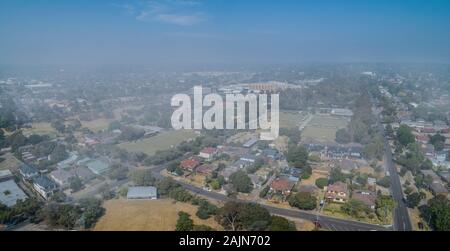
[(96, 125), (41, 128), (162, 141), (290, 119), (147, 215), (323, 128), (312, 179)]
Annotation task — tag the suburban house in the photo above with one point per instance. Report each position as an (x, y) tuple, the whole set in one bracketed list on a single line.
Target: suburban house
[(282, 185), (234, 151), (438, 188), (97, 166), (249, 158), (61, 177), (227, 172), (367, 197), (257, 180), (83, 173), (68, 162), (337, 192), (372, 183), (142, 193), (189, 164), (271, 153), (291, 173), (208, 153), (205, 169), (250, 143), (44, 186), (241, 164), (347, 166), (28, 172)]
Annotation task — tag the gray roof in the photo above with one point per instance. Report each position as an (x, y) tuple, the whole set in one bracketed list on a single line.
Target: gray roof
[(27, 169), (61, 175), (10, 193), (97, 166), (45, 182), (141, 192), (250, 143), (5, 174)]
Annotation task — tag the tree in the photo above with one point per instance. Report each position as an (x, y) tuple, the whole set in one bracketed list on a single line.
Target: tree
[(241, 182), (166, 185), (16, 140), (404, 135), (118, 172), (75, 184), (355, 208), (278, 223), (215, 184), (336, 175), (303, 200), (254, 217), (413, 199), (297, 156), (389, 130), (184, 222), (438, 211), (384, 182), (343, 136), (438, 141), (59, 153), (383, 206), (321, 182), (92, 211), (205, 210), (180, 194), (228, 215), (142, 177)]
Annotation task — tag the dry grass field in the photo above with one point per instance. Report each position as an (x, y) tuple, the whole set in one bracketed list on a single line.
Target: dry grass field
[(312, 179), (323, 128), (147, 215), (96, 125), (162, 141), (41, 128)]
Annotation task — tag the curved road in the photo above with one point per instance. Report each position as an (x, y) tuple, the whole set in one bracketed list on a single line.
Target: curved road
[(330, 223)]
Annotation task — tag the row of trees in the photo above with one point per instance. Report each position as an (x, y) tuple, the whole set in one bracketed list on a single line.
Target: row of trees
[(252, 217)]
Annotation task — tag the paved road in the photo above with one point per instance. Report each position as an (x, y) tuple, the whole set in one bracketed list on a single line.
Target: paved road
[(326, 222), (401, 216)]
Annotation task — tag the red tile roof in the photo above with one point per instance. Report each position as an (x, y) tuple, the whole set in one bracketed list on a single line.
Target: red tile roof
[(208, 150), (205, 169), (189, 163), (368, 197), (282, 184), (338, 187)]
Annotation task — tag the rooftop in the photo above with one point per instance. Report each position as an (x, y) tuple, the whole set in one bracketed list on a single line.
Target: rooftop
[(142, 192), (282, 184), (45, 182)]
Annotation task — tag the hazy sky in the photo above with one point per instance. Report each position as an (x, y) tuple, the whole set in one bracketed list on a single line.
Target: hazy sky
[(222, 31)]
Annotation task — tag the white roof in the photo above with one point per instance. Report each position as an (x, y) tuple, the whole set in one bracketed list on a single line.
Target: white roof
[(141, 192), (5, 173)]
